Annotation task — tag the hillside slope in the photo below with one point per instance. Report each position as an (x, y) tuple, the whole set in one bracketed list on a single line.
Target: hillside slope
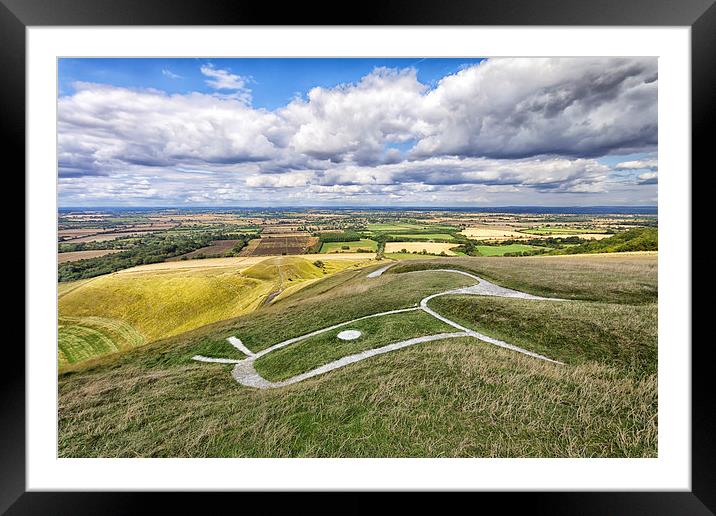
[(156, 304), (456, 398)]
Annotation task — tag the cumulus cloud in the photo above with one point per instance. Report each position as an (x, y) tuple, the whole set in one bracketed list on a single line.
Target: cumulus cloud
[(647, 164), (224, 80), (504, 125)]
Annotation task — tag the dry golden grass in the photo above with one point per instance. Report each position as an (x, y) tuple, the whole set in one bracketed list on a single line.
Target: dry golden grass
[(490, 233), (430, 247)]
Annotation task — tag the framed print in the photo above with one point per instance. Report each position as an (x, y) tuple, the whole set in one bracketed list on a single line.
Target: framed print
[(416, 250)]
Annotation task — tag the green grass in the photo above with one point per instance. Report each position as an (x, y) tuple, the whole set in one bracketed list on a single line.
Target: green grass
[(326, 347), (612, 278), (575, 332), (423, 236), (80, 338), (453, 398), (363, 243), (637, 239), (500, 250)]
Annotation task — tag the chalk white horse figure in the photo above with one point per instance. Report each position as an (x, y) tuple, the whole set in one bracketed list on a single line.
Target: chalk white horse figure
[(245, 373)]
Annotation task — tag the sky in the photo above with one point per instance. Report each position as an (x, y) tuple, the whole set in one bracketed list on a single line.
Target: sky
[(357, 132)]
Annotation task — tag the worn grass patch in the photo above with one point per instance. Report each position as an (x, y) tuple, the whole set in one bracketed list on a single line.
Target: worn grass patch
[(326, 347)]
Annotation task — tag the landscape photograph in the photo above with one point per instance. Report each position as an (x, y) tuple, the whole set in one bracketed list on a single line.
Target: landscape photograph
[(357, 257)]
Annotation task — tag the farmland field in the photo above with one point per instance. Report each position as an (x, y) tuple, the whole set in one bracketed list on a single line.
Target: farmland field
[(277, 246), (423, 236), (489, 233), (500, 250), (82, 255), (338, 247), (545, 230), (430, 247)]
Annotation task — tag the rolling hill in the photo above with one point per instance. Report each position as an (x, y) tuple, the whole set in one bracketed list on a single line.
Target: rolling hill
[(457, 397), (152, 303)]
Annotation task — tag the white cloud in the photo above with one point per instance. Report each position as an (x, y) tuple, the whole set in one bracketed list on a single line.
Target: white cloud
[(648, 178), (170, 74), (224, 80), (647, 164), (520, 127)]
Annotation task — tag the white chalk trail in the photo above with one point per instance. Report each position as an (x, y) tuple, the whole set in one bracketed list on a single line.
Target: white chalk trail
[(245, 373)]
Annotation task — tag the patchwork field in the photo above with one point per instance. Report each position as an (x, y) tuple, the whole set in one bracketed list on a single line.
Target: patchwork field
[(447, 398), (83, 255), (430, 247)]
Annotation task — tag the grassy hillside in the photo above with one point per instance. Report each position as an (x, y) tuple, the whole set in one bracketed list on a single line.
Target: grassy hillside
[(456, 397), (159, 304), (638, 239), (629, 278), (81, 338)]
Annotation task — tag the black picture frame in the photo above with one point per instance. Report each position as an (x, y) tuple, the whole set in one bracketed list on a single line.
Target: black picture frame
[(700, 15)]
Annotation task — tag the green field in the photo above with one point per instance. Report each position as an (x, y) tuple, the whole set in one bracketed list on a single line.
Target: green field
[(406, 227), (560, 231), (500, 250), (353, 247), (422, 236), (452, 398)]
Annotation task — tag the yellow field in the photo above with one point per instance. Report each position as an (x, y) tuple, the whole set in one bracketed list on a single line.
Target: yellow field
[(81, 255), (490, 233), (430, 247), (158, 302), (242, 262)]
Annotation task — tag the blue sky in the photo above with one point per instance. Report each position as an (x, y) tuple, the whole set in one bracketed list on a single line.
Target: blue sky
[(274, 82), (263, 132)]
